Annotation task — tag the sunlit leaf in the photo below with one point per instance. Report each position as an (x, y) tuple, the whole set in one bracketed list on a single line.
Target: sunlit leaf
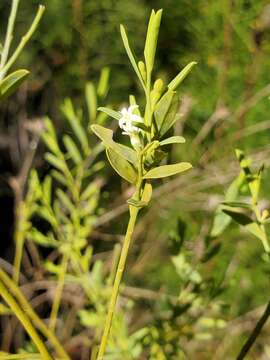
[(75, 124), (166, 112), (222, 220), (114, 114), (103, 82), (72, 149), (11, 82), (130, 54), (91, 100), (106, 135), (121, 166), (167, 170), (181, 76), (151, 40), (173, 140)]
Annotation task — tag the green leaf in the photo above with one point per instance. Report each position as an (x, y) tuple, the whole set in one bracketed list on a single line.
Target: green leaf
[(72, 149), (41, 239), (239, 217), (11, 82), (103, 82), (167, 170), (166, 112), (222, 220), (74, 121), (91, 100), (121, 166), (181, 76), (65, 200), (173, 140), (47, 189), (151, 40), (255, 229), (114, 114), (251, 226), (56, 162), (237, 204), (255, 184), (59, 177), (130, 54), (106, 136)]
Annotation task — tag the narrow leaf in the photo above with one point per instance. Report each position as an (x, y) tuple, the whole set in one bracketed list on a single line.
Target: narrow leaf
[(72, 149), (167, 170), (121, 166), (74, 121), (173, 140), (181, 76), (130, 54), (91, 100), (10, 83), (114, 114), (103, 82), (163, 107), (106, 136), (151, 40), (56, 162)]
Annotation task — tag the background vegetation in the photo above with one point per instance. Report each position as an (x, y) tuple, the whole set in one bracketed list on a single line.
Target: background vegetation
[(223, 280)]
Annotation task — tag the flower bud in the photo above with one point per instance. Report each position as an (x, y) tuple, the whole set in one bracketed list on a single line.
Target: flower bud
[(142, 69)]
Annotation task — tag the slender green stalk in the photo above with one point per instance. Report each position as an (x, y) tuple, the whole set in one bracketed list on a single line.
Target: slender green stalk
[(22, 317), (19, 244), (9, 34), (23, 42), (20, 357), (118, 277), (33, 315), (58, 294)]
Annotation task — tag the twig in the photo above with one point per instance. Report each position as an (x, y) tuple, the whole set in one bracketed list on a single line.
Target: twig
[(25, 321), (9, 34), (23, 41), (255, 333)]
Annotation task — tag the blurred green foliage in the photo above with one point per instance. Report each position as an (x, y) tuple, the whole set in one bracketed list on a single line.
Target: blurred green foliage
[(228, 93)]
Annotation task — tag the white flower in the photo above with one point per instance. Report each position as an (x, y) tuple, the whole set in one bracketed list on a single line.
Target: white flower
[(126, 123)]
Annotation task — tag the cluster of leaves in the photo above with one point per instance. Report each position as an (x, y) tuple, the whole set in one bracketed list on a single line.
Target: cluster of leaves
[(161, 113), (248, 214)]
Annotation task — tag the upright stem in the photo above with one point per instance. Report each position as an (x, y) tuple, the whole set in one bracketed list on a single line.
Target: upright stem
[(58, 295), (255, 333), (33, 315), (9, 34), (118, 277), (19, 241), (24, 40), (25, 322)]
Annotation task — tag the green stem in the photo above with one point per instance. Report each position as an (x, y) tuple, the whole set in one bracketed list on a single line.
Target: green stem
[(20, 357), (23, 41), (58, 295), (25, 322), (19, 243), (118, 277), (9, 34), (33, 315)]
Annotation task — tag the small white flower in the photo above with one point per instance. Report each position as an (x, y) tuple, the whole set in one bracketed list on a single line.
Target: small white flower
[(126, 123)]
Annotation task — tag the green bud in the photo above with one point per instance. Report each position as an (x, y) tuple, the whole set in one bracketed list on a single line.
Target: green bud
[(142, 69), (158, 85)]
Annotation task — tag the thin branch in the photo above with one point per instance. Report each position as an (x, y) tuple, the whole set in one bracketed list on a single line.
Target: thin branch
[(255, 333)]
